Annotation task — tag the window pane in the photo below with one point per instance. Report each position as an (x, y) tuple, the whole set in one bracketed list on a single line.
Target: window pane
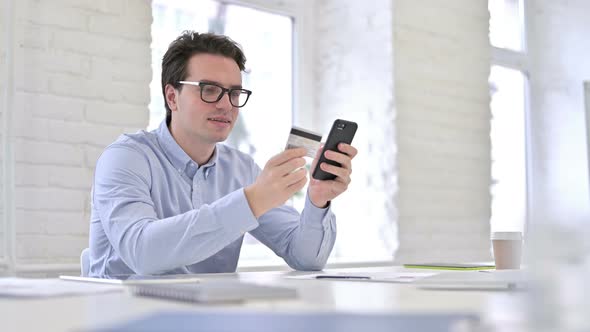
[(267, 42), (506, 24), (508, 149), (170, 19)]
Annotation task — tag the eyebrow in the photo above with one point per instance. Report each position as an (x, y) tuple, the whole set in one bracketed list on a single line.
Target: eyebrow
[(239, 86)]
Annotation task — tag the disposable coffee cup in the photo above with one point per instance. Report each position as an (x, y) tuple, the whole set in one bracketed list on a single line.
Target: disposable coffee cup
[(507, 247)]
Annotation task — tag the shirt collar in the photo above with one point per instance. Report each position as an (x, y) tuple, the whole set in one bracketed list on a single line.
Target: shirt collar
[(175, 154)]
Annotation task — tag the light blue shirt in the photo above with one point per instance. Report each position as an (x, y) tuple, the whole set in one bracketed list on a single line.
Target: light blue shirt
[(155, 211)]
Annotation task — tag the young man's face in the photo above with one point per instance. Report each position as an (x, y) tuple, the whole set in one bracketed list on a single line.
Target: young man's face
[(206, 123)]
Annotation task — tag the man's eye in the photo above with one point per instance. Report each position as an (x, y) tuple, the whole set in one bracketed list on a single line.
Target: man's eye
[(210, 89)]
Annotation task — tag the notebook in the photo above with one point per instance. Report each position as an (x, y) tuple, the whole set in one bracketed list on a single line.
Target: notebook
[(451, 266), (214, 291)]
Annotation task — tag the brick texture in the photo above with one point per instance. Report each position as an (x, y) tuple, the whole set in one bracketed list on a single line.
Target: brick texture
[(441, 69), (82, 74)]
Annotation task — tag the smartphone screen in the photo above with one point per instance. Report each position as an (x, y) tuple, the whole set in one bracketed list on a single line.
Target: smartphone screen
[(342, 132)]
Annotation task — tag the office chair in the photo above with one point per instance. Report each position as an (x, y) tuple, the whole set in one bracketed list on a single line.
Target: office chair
[(85, 262)]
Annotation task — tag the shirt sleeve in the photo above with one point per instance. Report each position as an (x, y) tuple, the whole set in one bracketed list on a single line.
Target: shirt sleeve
[(303, 240), (148, 245)]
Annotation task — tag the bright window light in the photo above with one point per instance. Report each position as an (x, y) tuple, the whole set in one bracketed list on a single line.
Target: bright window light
[(508, 139), (507, 24)]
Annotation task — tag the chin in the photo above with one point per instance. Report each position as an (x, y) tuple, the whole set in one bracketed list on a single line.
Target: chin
[(219, 138)]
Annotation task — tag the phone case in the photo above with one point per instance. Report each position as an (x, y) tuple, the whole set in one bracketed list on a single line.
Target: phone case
[(342, 132)]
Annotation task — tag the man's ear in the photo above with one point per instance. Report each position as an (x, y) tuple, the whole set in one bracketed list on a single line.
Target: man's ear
[(171, 97)]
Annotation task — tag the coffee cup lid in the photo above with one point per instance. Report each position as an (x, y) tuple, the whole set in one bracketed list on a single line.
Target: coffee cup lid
[(506, 236)]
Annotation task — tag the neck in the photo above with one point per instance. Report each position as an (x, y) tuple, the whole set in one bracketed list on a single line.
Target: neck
[(198, 151)]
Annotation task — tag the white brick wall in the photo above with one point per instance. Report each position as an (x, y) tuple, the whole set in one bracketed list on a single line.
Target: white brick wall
[(82, 70), (559, 48), (441, 66)]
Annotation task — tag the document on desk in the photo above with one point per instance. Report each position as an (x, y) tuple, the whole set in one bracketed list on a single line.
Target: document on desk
[(35, 288), (402, 277)]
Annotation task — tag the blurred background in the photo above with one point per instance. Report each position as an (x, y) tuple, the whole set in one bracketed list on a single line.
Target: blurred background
[(471, 114)]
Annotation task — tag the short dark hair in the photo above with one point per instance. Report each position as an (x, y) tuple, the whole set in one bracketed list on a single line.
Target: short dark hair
[(189, 43)]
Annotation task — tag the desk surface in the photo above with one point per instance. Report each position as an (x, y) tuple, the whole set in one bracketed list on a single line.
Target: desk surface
[(502, 311)]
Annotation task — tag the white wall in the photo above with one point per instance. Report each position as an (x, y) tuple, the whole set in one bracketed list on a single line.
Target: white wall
[(560, 62), (82, 70), (441, 65)]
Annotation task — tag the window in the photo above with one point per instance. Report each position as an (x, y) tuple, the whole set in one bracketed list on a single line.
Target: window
[(508, 85), (507, 24), (508, 149)]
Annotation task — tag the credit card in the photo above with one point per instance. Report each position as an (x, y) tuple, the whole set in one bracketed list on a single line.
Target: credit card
[(304, 138)]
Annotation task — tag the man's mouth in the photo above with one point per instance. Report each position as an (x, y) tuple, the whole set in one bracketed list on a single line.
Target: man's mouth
[(220, 119)]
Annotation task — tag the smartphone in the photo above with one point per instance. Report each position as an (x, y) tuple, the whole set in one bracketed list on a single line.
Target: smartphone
[(342, 132)]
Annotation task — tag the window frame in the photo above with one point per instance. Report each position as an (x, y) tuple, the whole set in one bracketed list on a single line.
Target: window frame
[(301, 12), (520, 60)]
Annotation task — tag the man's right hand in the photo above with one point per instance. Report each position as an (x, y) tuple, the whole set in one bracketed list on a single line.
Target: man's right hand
[(277, 182)]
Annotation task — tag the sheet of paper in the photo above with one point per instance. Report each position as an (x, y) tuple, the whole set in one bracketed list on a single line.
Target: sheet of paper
[(31, 288), (403, 277)]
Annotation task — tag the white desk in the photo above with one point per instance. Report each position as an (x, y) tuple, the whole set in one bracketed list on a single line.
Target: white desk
[(500, 310)]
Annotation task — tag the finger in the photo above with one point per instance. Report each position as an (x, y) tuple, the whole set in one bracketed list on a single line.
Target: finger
[(295, 187), (286, 155), (294, 177), (348, 149), (340, 158), (288, 166), (338, 171)]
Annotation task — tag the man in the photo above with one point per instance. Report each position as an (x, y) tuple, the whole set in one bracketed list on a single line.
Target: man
[(174, 201)]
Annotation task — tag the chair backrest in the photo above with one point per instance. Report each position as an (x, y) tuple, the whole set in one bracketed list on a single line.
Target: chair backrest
[(85, 262)]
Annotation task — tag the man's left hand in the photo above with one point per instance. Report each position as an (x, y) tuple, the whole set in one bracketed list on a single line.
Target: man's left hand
[(321, 192)]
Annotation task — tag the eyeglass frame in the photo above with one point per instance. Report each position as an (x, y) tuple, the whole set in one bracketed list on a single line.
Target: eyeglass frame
[(223, 92)]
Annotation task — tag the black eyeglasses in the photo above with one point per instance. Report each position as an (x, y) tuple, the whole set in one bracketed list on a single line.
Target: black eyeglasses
[(212, 93)]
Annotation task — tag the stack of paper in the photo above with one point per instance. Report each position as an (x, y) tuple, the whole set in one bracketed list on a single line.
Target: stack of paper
[(214, 291)]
